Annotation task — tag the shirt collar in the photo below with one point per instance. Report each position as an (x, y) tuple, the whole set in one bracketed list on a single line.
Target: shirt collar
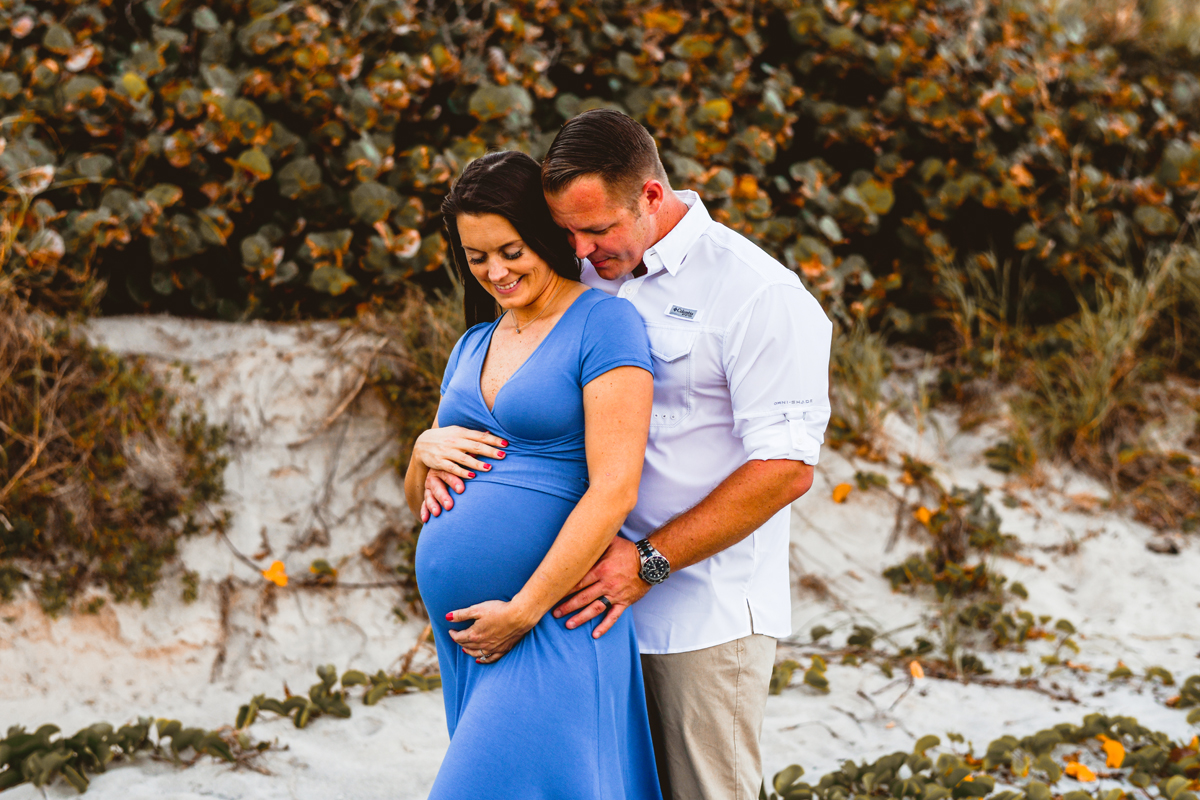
[(668, 252)]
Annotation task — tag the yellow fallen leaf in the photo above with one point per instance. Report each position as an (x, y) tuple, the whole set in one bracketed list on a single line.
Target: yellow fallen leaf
[(1079, 772), (916, 669), (923, 514), (841, 492), (1195, 744), (276, 573), (1115, 752)]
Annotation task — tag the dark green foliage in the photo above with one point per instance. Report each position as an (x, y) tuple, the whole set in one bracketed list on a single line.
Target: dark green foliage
[(1029, 764), (41, 757), (264, 159)]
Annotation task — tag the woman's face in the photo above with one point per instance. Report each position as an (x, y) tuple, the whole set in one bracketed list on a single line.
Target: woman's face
[(506, 267)]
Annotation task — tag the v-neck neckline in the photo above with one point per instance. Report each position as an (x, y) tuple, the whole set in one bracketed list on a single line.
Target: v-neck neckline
[(487, 348)]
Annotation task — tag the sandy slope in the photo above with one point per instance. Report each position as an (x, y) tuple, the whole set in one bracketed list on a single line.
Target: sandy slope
[(331, 495)]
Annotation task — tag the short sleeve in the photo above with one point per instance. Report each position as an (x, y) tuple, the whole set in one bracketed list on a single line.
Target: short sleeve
[(614, 335), (455, 357), (777, 364)]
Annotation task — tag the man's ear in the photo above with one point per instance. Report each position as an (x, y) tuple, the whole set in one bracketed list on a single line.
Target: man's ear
[(654, 194)]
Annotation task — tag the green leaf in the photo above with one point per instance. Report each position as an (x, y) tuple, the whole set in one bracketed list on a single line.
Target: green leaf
[(164, 195), (1156, 220), (77, 781), (331, 280), (298, 177), (372, 202), (255, 161), (786, 777), (354, 677), (58, 39), (376, 693), (926, 743), (490, 102), (877, 196), (10, 85)]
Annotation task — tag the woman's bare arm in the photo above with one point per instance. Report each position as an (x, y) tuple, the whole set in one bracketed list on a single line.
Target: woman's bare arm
[(451, 450), (617, 421)]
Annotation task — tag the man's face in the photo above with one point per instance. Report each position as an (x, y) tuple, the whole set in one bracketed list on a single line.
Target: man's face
[(604, 229)]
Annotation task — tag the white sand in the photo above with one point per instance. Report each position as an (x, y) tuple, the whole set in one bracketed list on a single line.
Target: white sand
[(327, 498)]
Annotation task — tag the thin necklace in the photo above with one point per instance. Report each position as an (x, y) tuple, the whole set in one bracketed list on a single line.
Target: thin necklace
[(543, 311)]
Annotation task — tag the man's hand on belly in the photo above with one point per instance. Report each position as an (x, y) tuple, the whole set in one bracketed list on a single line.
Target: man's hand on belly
[(615, 576), (437, 492)]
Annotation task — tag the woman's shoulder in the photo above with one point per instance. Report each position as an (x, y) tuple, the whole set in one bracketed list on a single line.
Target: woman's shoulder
[(609, 310), (473, 334)]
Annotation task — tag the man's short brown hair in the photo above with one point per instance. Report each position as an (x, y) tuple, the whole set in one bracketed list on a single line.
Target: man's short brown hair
[(606, 143)]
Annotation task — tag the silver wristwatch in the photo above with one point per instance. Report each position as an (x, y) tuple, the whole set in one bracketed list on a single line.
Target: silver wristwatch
[(655, 567)]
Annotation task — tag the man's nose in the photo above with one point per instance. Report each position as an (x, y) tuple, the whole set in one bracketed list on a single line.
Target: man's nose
[(582, 245)]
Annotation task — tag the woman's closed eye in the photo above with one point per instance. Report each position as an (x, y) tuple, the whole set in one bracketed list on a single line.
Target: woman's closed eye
[(509, 256)]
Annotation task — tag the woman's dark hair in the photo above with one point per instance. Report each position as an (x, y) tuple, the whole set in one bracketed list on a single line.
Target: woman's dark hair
[(508, 184)]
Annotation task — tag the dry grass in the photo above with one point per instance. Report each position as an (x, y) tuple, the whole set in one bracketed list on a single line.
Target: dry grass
[(420, 332), (99, 474), (859, 364)]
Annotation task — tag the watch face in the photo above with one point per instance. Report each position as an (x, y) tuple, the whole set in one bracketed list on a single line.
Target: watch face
[(655, 569)]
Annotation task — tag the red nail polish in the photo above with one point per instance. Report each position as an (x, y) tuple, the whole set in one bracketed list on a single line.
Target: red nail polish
[(500, 454), (450, 617), (470, 474), (487, 467), (504, 443)]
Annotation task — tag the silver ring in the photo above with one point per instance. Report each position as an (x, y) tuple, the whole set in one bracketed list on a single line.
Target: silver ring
[(607, 603)]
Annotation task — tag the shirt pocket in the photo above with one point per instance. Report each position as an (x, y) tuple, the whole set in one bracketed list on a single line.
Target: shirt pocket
[(673, 375)]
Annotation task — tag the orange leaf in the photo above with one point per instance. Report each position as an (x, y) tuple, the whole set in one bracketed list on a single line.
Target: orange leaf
[(841, 492), (1079, 772), (916, 669), (276, 573), (924, 515), (1115, 752)]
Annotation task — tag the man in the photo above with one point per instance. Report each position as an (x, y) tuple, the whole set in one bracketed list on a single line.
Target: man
[(741, 359)]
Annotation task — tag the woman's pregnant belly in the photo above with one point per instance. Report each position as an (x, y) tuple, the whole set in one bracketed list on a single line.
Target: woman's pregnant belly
[(486, 547)]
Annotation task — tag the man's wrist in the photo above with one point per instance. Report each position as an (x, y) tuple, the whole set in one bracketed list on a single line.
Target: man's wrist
[(654, 566)]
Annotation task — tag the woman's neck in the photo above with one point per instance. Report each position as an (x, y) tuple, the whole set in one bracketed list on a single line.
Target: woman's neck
[(539, 308)]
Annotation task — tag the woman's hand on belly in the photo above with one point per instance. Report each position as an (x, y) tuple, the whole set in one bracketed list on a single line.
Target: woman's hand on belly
[(454, 450), (498, 626)]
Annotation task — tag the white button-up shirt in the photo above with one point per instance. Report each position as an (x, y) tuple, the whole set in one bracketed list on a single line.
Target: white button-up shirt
[(741, 363)]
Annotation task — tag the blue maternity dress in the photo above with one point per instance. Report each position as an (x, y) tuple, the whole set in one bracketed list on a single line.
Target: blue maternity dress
[(561, 716)]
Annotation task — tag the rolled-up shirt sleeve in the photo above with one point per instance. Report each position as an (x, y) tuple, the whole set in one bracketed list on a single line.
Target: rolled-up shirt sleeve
[(776, 358)]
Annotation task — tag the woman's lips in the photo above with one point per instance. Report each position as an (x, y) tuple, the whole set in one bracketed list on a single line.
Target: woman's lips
[(507, 288)]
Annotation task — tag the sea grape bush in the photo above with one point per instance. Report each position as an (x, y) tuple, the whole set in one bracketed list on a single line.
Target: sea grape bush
[(251, 158)]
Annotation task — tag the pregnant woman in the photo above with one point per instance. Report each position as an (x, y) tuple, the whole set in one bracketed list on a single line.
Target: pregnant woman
[(561, 378)]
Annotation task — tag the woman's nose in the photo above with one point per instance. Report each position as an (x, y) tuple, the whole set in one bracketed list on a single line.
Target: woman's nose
[(497, 271)]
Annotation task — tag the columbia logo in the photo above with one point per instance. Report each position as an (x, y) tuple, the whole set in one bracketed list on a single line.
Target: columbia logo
[(682, 313)]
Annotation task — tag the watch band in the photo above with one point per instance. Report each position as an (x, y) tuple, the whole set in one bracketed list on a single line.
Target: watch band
[(655, 568)]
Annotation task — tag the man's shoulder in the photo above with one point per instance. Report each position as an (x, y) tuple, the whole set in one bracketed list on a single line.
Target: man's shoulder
[(742, 259)]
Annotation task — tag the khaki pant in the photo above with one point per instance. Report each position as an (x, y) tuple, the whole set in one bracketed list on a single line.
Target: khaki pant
[(706, 715)]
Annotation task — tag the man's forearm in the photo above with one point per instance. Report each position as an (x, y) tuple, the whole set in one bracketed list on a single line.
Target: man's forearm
[(739, 505)]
